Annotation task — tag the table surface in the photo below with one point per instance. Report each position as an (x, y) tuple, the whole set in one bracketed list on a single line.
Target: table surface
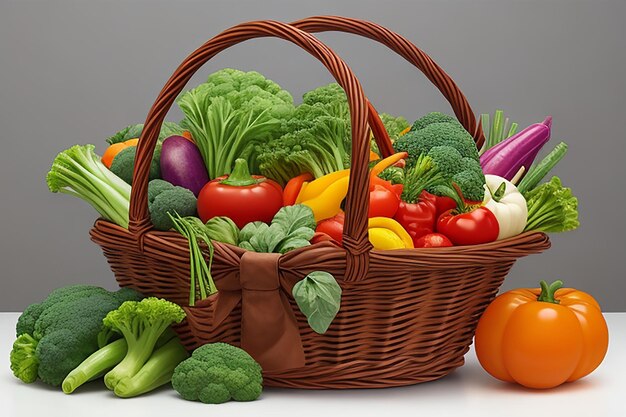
[(468, 391)]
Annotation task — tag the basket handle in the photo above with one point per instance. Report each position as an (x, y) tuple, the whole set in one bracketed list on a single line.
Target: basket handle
[(408, 51), (355, 237)]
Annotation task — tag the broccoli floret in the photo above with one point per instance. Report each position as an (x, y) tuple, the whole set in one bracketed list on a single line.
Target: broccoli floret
[(60, 332), (394, 125), (471, 184), (156, 187), (446, 158), (141, 323), (124, 163), (395, 175), (316, 138), (452, 149), (216, 373), (175, 200), (430, 118)]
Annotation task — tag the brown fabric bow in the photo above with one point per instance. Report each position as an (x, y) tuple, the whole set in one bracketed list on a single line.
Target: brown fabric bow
[(262, 283)]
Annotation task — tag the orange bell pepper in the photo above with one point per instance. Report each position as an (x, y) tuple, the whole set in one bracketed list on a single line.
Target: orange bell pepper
[(112, 151), (542, 337)]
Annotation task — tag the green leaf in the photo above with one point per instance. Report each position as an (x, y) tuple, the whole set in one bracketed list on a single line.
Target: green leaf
[(318, 296), (170, 129), (250, 230), (292, 243), (292, 218), (134, 131), (222, 229), (129, 132)]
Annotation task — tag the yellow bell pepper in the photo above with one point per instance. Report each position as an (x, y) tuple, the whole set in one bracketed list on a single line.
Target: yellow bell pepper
[(328, 203), (314, 188), (385, 233), (325, 194)]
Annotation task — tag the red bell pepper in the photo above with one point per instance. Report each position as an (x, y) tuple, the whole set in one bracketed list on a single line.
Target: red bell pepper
[(418, 218), (468, 224), (242, 197), (293, 187)]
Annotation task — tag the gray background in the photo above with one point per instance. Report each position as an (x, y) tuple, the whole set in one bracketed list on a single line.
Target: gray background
[(76, 72)]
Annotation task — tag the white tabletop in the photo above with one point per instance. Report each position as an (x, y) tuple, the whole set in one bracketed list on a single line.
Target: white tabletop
[(468, 391)]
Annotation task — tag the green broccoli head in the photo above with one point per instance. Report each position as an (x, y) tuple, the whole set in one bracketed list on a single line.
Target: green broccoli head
[(60, 352), (156, 187), (430, 118), (58, 334), (124, 163), (173, 200), (216, 373), (452, 149), (26, 321)]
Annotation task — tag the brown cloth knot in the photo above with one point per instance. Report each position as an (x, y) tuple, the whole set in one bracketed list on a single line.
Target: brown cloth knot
[(262, 283)]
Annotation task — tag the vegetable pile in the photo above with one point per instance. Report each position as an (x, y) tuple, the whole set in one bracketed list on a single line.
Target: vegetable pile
[(82, 333), (247, 167)]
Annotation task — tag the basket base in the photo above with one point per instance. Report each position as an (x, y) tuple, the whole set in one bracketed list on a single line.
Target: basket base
[(364, 375)]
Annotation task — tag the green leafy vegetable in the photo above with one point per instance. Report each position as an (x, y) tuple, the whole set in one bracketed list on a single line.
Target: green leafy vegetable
[(201, 283), (552, 208), (291, 228), (222, 229), (316, 139), (318, 296), (231, 113), (78, 171), (394, 125), (134, 131)]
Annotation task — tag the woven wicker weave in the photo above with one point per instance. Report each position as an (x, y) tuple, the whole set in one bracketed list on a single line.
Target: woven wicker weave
[(406, 316)]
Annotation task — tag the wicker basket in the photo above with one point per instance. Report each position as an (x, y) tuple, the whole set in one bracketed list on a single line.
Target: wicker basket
[(407, 316)]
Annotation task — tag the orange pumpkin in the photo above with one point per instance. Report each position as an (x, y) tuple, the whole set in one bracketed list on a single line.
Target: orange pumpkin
[(542, 337)]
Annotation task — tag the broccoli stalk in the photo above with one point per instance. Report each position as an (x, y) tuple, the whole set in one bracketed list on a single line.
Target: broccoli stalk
[(95, 365), (157, 371), (78, 171), (141, 323)]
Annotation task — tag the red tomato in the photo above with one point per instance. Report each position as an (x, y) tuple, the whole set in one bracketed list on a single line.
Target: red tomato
[(332, 227), (433, 240), (472, 228), (242, 197), (383, 202)]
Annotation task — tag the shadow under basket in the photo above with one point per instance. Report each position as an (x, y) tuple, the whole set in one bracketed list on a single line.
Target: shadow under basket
[(406, 316)]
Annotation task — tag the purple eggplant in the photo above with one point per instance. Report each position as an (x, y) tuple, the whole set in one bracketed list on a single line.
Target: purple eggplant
[(520, 150), (182, 164)]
